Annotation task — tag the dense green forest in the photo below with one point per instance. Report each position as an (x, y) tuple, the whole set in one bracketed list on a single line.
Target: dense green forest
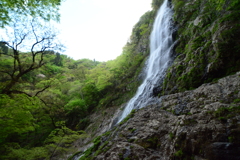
[(46, 97)]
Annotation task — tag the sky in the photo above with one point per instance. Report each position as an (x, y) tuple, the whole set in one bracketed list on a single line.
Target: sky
[(98, 29)]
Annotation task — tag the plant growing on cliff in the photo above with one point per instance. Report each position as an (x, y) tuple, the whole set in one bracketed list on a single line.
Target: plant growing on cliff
[(204, 59), (171, 136), (179, 153), (130, 115)]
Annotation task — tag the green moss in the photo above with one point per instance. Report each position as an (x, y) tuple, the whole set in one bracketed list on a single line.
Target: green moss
[(195, 43), (236, 101), (107, 133), (189, 122), (179, 153), (178, 5), (75, 154), (225, 113), (230, 139), (223, 119), (101, 149), (97, 148), (143, 28), (131, 140), (130, 115), (232, 16), (132, 130), (171, 136), (151, 142), (180, 69)]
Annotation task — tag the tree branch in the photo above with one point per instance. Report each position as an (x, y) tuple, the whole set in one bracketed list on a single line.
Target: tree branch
[(41, 43), (34, 31), (20, 92), (42, 90), (23, 38), (7, 73)]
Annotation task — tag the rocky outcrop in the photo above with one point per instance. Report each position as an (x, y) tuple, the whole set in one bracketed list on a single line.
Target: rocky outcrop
[(199, 116), (208, 43), (198, 124), (40, 76)]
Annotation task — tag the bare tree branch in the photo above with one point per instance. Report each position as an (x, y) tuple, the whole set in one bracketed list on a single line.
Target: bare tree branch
[(6, 43), (21, 40), (42, 39), (34, 31)]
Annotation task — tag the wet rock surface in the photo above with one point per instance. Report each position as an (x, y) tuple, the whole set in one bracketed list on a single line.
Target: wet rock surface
[(199, 124)]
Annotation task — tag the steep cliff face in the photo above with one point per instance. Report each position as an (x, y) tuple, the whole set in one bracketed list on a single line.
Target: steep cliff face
[(199, 115), (200, 124), (208, 43)]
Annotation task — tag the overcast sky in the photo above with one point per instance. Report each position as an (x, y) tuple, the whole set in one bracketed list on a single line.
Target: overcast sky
[(98, 29)]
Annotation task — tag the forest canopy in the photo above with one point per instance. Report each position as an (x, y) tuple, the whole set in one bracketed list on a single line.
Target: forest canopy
[(36, 8)]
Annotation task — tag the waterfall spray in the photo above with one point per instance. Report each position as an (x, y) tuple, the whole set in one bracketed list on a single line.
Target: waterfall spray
[(161, 44)]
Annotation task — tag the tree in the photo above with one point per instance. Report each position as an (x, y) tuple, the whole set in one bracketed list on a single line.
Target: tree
[(16, 115), (156, 4), (31, 37), (3, 48), (46, 9)]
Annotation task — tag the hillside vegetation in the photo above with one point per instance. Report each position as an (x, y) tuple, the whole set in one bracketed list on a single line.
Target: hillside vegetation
[(48, 101), (208, 43), (47, 97), (198, 117)]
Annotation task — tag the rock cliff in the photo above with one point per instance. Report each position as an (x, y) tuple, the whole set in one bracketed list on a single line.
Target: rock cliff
[(199, 114), (199, 124), (208, 43)]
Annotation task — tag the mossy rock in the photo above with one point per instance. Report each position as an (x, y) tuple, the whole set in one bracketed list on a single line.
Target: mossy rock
[(208, 43)]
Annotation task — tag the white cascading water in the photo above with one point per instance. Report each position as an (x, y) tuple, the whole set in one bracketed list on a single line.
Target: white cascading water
[(161, 44)]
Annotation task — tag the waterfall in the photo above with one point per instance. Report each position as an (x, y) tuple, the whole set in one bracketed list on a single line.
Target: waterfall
[(161, 44)]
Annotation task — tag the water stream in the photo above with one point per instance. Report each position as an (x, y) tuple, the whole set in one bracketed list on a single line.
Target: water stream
[(161, 44)]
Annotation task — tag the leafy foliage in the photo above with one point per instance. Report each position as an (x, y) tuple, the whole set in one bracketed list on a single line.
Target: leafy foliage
[(47, 97), (45, 9), (15, 115), (156, 4)]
